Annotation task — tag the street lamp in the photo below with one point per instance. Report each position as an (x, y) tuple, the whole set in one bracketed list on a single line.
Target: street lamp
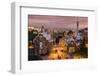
[(77, 25)]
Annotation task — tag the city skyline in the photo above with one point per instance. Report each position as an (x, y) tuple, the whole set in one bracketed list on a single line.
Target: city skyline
[(67, 22)]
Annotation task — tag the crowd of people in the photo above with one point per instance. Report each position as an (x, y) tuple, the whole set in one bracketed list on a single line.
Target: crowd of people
[(57, 44)]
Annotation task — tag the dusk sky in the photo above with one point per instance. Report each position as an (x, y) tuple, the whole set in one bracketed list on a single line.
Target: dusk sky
[(48, 21)]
